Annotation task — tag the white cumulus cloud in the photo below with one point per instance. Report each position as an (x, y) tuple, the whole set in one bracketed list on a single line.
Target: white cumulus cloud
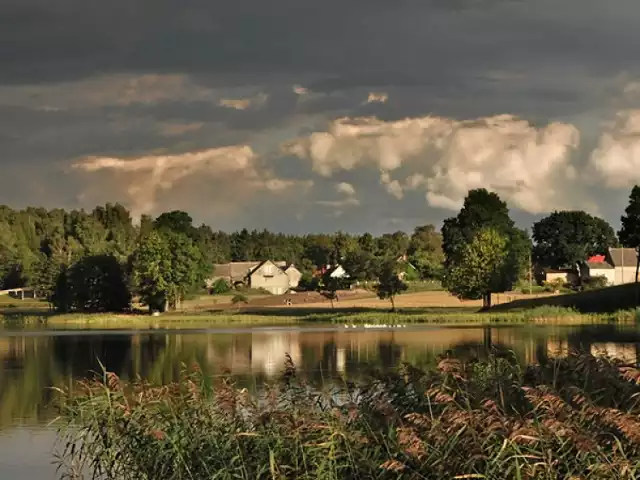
[(617, 156), (528, 166)]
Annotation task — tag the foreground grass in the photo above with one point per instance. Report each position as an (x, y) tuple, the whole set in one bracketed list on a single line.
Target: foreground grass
[(301, 316), (576, 417)]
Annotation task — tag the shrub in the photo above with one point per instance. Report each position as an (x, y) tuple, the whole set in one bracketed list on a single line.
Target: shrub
[(594, 283), (220, 287), (239, 298)]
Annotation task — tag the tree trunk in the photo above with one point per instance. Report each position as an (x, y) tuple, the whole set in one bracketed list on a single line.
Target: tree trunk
[(393, 303), (636, 279), (486, 301)]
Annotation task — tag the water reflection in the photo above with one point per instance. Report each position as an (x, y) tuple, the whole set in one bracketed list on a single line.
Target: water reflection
[(31, 363)]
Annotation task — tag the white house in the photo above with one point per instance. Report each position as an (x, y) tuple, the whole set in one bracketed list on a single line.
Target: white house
[(618, 266), (624, 261), (597, 266), (338, 272)]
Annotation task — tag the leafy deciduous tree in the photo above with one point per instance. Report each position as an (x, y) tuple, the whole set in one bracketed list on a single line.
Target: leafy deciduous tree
[(389, 283), (93, 284), (483, 211), (483, 267), (563, 239)]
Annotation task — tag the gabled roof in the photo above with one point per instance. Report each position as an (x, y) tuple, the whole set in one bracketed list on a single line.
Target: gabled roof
[(278, 266), (623, 257), (234, 270)]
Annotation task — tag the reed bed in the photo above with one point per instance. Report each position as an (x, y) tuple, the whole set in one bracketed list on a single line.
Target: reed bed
[(572, 418)]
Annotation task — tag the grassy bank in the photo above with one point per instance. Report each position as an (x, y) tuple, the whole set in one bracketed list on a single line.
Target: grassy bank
[(603, 300), (301, 316), (577, 417)]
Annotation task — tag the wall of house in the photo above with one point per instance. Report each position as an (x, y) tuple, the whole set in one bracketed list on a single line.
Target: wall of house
[(608, 273), (277, 284), (294, 278), (565, 277), (625, 275)]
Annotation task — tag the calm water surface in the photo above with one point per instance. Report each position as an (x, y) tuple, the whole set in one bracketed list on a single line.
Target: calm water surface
[(33, 360)]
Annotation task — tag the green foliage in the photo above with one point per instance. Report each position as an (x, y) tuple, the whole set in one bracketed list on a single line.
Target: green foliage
[(556, 285), (594, 283), (239, 298), (151, 263), (45, 277), (565, 238), (484, 252), (93, 284), (220, 287), (482, 266), (165, 266), (361, 265), (389, 283), (630, 232)]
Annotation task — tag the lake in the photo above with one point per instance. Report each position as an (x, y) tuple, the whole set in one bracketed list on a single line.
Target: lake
[(34, 360)]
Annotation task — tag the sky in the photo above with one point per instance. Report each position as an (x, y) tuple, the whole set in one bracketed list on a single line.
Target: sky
[(307, 116)]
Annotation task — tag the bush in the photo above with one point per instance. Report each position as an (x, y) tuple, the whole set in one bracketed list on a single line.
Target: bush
[(239, 298), (556, 285), (594, 283), (575, 417), (220, 287)]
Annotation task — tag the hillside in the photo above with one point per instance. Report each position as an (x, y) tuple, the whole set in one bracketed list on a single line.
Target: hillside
[(605, 300)]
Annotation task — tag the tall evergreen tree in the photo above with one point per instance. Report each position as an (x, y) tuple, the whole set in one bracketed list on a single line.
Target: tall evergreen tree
[(629, 234)]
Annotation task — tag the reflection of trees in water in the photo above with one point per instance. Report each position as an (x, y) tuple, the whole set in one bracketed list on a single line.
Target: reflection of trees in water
[(32, 364), (26, 373), (79, 354)]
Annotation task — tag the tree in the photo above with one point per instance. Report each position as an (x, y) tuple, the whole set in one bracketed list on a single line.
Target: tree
[(629, 234), (93, 284), (389, 283), (483, 268), (482, 210), (176, 221), (425, 252), (45, 277), (328, 287), (563, 239), (150, 264), (361, 266), (165, 268)]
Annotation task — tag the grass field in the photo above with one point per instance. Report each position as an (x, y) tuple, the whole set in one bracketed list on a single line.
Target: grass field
[(354, 308), (604, 300)]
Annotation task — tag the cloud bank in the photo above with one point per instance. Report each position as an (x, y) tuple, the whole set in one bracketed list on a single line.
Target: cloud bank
[(529, 166), (219, 179)]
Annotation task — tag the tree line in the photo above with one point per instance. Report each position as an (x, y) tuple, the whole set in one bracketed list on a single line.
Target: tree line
[(98, 260)]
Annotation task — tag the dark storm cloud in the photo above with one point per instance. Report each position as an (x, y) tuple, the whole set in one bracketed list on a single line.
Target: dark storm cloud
[(69, 88), (359, 42)]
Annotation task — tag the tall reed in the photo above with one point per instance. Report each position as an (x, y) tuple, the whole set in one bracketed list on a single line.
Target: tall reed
[(573, 418)]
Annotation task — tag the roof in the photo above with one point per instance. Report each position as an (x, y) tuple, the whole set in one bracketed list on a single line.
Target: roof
[(560, 270), (278, 265), (623, 257), (239, 270), (600, 266)]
